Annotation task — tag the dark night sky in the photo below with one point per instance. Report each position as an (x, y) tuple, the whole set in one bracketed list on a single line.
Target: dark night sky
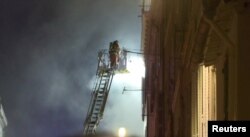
[(48, 57)]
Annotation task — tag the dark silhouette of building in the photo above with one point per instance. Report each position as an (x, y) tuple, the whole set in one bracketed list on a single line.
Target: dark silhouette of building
[(3, 120)]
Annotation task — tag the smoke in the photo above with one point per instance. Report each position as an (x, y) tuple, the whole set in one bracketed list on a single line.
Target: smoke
[(49, 56)]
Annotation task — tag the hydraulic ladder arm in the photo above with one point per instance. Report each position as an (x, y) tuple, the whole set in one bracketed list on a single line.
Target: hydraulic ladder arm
[(104, 77), (109, 62)]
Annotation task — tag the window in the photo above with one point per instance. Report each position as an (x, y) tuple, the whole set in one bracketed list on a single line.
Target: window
[(203, 100)]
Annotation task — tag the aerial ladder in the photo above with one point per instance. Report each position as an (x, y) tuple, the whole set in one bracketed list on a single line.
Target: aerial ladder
[(109, 62)]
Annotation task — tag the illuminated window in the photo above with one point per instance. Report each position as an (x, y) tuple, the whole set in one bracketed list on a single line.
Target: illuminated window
[(203, 100)]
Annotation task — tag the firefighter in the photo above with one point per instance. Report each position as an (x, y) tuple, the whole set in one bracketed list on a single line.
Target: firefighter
[(114, 53)]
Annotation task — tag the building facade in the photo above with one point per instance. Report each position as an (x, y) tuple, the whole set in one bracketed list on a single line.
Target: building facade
[(197, 69), (3, 121)]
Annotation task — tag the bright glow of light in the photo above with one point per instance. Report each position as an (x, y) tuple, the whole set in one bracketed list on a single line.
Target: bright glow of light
[(136, 66), (122, 132)]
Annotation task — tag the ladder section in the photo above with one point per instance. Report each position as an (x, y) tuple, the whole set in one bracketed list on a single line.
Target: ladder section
[(109, 62), (98, 101)]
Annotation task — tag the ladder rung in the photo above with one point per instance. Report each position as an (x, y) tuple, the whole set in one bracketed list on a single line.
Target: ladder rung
[(98, 104), (105, 74), (101, 95), (97, 108), (101, 90), (102, 84), (99, 101)]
